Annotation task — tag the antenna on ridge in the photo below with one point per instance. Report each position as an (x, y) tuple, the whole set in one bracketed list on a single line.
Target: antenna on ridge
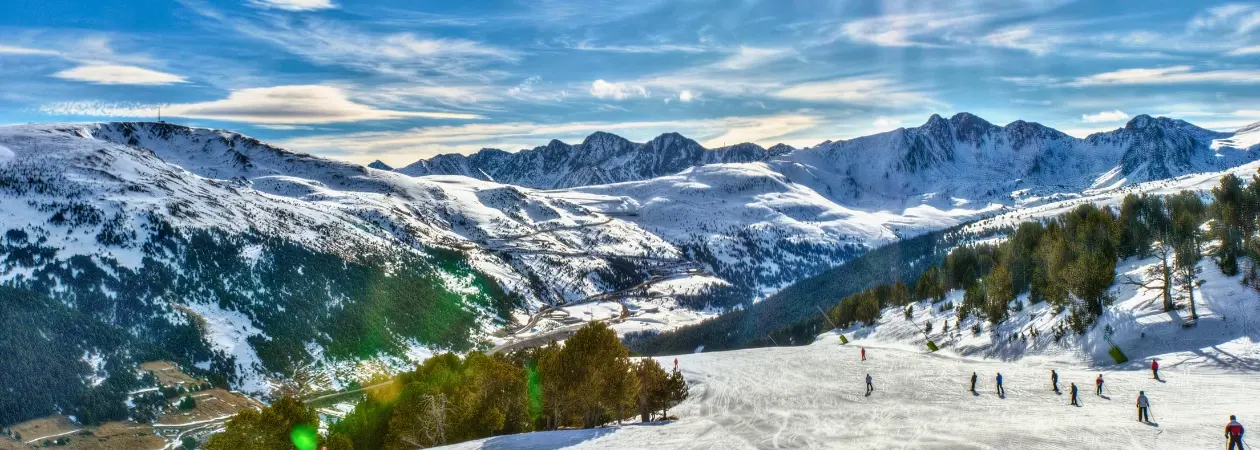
[(160, 115)]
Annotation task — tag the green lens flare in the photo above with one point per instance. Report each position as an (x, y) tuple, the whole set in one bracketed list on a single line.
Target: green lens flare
[(533, 381), (304, 437)]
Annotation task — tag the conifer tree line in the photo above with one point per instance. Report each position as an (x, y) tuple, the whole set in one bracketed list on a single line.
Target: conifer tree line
[(1070, 260), (587, 382)]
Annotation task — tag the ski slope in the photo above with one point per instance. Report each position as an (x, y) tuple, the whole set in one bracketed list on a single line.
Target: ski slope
[(812, 396)]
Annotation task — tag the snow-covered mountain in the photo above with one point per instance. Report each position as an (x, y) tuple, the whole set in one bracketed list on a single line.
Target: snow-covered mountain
[(942, 162), (602, 158), (216, 249)]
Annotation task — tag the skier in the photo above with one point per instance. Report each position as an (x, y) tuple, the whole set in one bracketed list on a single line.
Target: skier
[(1234, 432), (863, 353), (1000, 392), (1098, 382), (1054, 380), (1155, 369), (1143, 404), (1074, 401), (973, 381), (869, 387), (675, 364)]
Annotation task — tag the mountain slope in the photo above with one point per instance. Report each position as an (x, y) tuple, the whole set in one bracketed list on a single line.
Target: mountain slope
[(245, 262)]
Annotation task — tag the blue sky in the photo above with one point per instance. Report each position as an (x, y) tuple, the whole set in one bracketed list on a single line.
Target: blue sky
[(404, 80)]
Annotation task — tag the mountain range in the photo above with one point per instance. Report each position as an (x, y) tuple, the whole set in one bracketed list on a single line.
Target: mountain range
[(246, 261)]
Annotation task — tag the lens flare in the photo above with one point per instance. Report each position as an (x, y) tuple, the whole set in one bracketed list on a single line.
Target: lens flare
[(304, 437), (534, 386)]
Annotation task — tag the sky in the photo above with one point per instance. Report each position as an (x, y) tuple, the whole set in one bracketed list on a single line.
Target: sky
[(404, 80)]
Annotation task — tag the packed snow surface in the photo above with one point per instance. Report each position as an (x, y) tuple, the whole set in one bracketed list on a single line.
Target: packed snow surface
[(813, 396)]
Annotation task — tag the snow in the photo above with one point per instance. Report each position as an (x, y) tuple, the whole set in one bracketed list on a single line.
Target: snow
[(5, 154), (229, 331), (812, 396)]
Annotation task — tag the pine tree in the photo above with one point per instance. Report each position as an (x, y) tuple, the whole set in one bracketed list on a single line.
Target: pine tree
[(1186, 212), (1230, 210), (998, 294)]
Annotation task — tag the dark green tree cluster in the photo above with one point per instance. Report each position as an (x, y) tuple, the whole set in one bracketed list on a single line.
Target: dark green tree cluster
[(658, 390), (587, 382), (445, 400), (270, 429), (864, 306), (1235, 214)]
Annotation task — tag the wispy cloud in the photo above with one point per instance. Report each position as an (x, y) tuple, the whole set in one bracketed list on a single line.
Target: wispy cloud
[(1105, 116), (748, 57), (871, 91), (400, 55), (1244, 51), (1235, 18), (640, 48), (1169, 75), (293, 5), (403, 147), (290, 105), (15, 50), (1023, 37), (119, 74)]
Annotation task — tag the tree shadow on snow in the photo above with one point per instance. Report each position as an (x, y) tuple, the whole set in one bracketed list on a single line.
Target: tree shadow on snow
[(544, 439)]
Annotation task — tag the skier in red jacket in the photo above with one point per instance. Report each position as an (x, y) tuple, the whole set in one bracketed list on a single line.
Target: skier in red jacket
[(1155, 368), (1234, 432), (863, 353)]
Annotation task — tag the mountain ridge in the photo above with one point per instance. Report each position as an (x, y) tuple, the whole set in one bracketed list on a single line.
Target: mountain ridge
[(604, 158)]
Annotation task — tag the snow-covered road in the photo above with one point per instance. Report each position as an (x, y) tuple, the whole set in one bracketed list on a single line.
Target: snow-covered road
[(812, 397)]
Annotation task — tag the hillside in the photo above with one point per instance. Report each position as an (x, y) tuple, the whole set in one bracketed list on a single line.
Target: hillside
[(244, 262)]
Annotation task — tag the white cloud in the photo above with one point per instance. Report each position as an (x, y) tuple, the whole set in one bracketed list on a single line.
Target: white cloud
[(1168, 75), (616, 91), (652, 48), (118, 74), (749, 57), (1105, 116), (1023, 37), (686, 96), (404, 147), (13, 50), (310, 104), (293, 5), (404, 55), (1235, 18), (886, 123), (908, 29), (1243, 51), (859, 91)]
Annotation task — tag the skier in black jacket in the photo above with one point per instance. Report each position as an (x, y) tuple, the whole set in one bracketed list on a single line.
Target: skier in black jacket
[(1074, 402), (973, 381)]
